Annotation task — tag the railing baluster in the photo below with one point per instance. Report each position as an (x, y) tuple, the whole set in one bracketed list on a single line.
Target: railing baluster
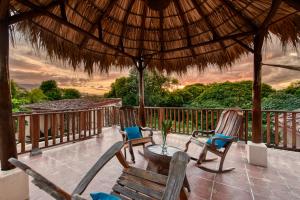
[(94, 122), (196, 119), (175, 119), (62, 128), (192, 120), (46, 129), (183, 127), (246, 126), (284, 129), (187, 121), (22, 132), (276, 129), (35, 134), (212, 120), (294, 117), (202, 120), (53, 129), (68, 126), (268, 129), (206, 119), (74, 126), (179, 121)]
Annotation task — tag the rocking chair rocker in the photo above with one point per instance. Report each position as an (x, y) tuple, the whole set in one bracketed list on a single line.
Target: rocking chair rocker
[(229, 124)]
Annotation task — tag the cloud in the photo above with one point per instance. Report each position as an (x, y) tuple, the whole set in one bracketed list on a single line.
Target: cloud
[(29, 68)]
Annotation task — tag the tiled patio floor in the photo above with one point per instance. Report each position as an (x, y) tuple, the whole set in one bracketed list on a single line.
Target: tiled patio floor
[(65, 165)]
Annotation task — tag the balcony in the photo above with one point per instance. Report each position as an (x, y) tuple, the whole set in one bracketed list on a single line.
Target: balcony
[(83, 136), (66, 164)]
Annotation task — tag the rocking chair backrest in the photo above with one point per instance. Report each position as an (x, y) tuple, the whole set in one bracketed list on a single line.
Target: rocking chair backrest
[(128, 117), (230, 122)]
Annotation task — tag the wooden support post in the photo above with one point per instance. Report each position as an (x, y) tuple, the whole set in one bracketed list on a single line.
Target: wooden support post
[(256, 98), (35, 135), (140, 67), (7, 136)]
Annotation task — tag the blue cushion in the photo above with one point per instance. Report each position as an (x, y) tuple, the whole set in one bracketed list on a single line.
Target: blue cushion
[(133, 132), (218, 143), (103, 196)]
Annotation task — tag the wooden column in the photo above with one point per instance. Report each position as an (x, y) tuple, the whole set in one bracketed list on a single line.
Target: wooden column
[(7, 136), (256, 97), (256, 88), (140, 67)]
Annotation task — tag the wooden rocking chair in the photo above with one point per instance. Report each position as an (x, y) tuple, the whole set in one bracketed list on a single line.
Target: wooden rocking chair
[(229, 124), (128, 118), (134, 183)]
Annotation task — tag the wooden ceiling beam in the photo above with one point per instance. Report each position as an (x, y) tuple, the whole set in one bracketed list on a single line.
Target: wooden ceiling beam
[(120, 43), (142, 35), (32, 13), (72, 26), (186, 28), (245, 46), (63, 10), (295, 68), (227, 37), (208, 23), (239, 13), (98, 24), (293, 3), (161, 32)]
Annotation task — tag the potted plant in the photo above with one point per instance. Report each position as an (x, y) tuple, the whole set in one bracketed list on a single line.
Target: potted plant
[(166, 128)]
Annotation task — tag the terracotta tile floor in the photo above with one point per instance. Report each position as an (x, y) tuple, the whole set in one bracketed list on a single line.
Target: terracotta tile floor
[(65, 165)]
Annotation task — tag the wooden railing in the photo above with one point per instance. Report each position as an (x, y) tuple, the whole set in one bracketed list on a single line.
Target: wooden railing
[(35, 131), (281, 129)]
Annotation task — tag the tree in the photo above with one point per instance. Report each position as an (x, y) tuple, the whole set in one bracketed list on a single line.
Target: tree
[(71, 94), (51, 90), (155, 89), (36, 95), (293, 88), (281, 101), (229, 94)]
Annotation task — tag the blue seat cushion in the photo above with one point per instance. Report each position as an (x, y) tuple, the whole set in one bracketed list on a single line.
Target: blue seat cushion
[(218, 143), (103, 196), (133, 132)]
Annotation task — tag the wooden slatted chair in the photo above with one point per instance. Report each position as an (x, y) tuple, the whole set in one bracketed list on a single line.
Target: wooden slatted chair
[(229, 124), (134, 183), (128, 118)]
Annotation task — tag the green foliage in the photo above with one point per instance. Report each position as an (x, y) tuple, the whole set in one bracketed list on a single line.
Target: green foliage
[(229, 94), (51, 90), (71, 94), (47, 91), (293, 88), (36, 95), (127, 89), (281, 101)]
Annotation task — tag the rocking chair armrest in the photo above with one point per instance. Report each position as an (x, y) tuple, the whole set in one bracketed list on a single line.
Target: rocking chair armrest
[(199, 133), (229, 140), (77, 197), (176, 176), (107, 156), (41, 182), (147, 129)]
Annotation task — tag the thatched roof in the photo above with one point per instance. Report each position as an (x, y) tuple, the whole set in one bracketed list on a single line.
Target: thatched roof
[(185, 33)]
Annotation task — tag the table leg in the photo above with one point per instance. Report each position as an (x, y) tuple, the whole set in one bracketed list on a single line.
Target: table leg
[(186, 184)]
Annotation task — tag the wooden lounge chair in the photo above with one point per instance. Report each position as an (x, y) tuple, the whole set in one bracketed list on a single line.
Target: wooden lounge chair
[(134, 183), (229, 124), (128, 118)]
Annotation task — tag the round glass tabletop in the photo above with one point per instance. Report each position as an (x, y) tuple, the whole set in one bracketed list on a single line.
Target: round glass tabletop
[(157, 149)]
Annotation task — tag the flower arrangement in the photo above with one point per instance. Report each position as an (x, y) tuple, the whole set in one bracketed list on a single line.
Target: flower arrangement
[(166, 128)]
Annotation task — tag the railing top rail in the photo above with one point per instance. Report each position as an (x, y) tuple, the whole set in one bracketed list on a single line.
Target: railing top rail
[(57, 112)]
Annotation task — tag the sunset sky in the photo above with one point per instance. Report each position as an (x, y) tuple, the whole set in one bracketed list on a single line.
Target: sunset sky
[(29, 68)]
